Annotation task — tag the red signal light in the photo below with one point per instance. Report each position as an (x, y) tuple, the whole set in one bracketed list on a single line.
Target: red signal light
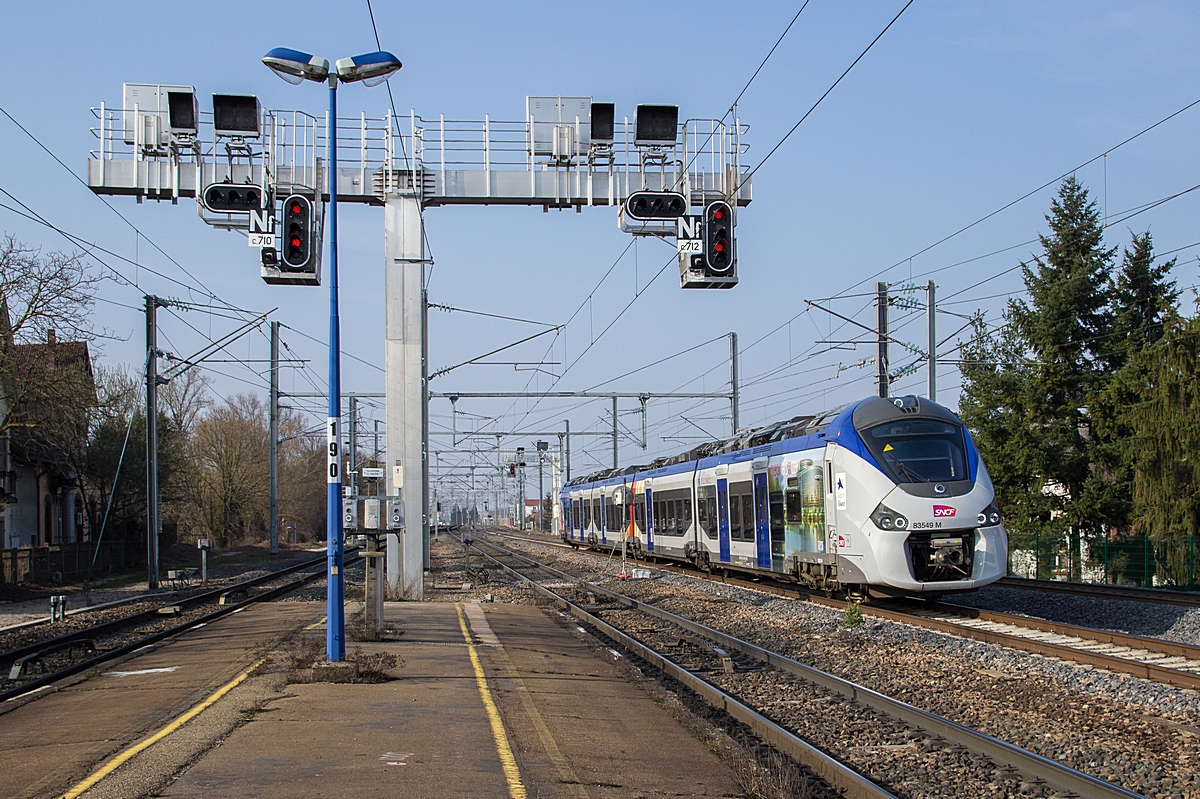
[(719, 246), (718, 214), (295, 242), (296, 208)]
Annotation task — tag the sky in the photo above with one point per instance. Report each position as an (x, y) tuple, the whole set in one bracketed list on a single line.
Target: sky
[(958, 110)]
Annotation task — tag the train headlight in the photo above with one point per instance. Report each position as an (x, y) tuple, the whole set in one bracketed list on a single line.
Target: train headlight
[(887, 519), (988, 517)]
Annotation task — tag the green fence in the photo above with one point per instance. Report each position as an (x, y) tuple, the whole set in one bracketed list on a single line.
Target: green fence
[(1123, 560)]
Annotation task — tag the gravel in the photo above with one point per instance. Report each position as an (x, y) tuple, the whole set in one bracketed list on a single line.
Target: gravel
[(1170, 622), (1139, 734)]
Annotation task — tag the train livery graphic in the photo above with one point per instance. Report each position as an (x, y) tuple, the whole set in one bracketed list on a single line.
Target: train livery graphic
[(883, 496)]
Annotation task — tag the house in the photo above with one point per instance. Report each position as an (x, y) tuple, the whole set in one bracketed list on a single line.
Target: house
[(50, 386)]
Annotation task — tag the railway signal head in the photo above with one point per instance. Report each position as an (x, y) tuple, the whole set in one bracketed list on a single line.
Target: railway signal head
[(233, 198), (297, 232), (718, 238), (650, 205)]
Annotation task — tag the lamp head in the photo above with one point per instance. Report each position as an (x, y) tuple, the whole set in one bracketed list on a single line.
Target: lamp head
[(295, 66), (371, 68)]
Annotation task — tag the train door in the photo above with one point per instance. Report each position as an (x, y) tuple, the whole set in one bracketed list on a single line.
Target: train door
[(603, 520), (566, 510), (650, 520), (835, 498), (762, 523), (723, 519)]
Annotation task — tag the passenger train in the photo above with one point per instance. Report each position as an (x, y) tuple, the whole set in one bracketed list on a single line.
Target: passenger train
[(882, 497)]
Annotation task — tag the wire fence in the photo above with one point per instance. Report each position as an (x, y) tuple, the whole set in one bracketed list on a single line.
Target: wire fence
[(1136, 560)]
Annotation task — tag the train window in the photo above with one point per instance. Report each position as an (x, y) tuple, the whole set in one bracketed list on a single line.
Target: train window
[(735, 518), (748, 517), (687, 513), (919, 450), (702, 515), (596, 513), (680, 526), (712, 517), (640, 514), (792, 506), (672, 519)]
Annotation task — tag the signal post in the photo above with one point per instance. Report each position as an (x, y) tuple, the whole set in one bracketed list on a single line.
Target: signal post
[(568, 152)]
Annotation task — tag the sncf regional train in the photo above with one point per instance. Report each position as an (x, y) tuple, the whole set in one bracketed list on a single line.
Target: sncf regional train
[(882, 497)]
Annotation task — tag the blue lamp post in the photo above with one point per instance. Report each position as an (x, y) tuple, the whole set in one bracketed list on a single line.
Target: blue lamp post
[(372, 69)]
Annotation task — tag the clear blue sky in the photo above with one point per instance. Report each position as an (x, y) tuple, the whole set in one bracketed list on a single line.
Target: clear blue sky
[(960, 109)]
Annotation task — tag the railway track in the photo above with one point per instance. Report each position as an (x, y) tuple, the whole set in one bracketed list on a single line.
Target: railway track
[(1101, 591), (1154, 659), (892, 742), (43, 662)]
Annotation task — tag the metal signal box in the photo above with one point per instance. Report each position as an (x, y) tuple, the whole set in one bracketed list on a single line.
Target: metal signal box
[(395, 514), (350, 514), (371, 514)]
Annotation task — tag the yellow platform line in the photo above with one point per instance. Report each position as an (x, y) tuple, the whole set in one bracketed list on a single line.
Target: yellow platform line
[(116, 762), (565, 772), (516, 790)]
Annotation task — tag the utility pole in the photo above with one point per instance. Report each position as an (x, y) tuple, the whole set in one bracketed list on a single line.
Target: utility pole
[(542, 447), (734, 422), (274, 434), (567, 422), (353, 446), (560, 452), (614, 432), (881, 339), (153, 524), (931, 312)]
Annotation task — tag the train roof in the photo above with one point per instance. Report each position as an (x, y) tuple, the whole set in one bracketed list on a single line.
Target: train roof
[(774, 438)]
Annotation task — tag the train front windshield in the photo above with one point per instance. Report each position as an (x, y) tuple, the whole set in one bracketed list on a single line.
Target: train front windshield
[(919, 450)]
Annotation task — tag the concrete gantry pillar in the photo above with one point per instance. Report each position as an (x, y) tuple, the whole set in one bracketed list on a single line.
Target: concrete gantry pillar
[(404, 249)]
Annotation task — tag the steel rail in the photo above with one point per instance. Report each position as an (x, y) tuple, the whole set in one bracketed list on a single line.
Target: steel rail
[(1159, 645), (1102, 591), (1058, 776), (1148, 671), (28, 686), (1115, 663), (104, 628), (828, 768)]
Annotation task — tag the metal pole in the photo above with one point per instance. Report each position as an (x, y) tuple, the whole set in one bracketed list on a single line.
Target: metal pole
[(353, 443), (567, 422), (424, 424), (152, 523), (734, 390), (614, 432), (931, 311), (881, 342), (541, 492), (274, 433), (335, 637)]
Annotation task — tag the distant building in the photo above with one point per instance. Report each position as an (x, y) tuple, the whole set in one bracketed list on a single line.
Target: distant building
[(54, 385)]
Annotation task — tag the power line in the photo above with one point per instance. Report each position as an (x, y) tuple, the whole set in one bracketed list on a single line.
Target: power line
[(822, 97)]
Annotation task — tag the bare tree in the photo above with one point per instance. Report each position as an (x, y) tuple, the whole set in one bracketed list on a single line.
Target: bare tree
[(46, 391), (230, 451)]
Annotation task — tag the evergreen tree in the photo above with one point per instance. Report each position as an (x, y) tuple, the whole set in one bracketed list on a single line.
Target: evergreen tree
[(1030, 403), (1143, 302), (1165, 440)]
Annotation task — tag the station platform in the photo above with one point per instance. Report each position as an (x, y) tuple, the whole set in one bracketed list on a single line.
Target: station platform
[(491, 700), (574, 726)]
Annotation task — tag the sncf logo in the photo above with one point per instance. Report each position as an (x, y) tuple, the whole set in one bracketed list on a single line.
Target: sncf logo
[(943, 511)]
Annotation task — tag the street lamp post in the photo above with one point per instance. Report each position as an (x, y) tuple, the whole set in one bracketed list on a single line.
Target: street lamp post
[(372, 69)]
